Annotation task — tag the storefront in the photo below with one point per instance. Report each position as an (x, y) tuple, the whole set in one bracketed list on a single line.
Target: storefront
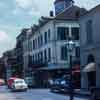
[(42, 75), (90, 71)]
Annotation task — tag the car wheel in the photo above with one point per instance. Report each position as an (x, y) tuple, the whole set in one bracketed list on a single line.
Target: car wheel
[(25, 90)]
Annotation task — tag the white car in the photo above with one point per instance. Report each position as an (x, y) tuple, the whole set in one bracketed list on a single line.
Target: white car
[(19, 84)]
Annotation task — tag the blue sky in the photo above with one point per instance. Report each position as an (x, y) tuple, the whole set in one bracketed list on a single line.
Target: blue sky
[(18, 14)]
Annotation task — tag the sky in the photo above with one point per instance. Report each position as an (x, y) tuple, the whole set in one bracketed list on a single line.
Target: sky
[(18, 14)]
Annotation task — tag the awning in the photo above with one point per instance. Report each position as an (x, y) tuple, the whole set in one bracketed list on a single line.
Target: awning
[(52, 68), (75, 71), (90, 67)]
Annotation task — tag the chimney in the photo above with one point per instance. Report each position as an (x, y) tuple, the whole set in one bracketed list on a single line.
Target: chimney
[(51, 14)]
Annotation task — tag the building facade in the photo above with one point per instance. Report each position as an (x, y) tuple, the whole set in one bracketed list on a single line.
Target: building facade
[(45, 45), (19, 51), (27, 48), (9, 59), (90, 47), (2, 69)]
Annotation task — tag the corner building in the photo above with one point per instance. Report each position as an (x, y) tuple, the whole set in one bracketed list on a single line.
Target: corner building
[(45, 48)]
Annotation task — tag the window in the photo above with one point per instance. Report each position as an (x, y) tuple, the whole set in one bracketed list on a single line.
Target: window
[(77, 14), (38, 41), (30, 61), (30, 46), (64, 54), (41, 39), (90, 59), (49, 34), (63, 33), (26, 47), (77, 52), (45, 55), (41, 56), (33, 44), (75, 33), (49, 54), (33, 59), (38, 56), (45, 37), (89, 31)]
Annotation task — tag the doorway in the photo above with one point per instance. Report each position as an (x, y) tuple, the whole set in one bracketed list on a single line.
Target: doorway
[(92, 74)]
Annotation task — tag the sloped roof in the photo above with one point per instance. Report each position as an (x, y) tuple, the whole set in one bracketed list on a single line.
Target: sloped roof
[(23, 32), (93, 10), (71, 13)]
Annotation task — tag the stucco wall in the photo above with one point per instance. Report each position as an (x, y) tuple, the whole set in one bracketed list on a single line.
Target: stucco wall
[(93, 48)]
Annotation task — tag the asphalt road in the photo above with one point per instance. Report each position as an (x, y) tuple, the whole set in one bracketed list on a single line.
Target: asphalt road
[(32, 94)]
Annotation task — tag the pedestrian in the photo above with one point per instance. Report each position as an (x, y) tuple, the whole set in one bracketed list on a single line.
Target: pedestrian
[(71, 91)]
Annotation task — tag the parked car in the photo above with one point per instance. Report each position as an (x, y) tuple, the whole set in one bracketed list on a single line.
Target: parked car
[(55, 85), (2, 82), (61, 85), (50, 82), (10, 81), (19, 84), (29, 81), (64, 86)]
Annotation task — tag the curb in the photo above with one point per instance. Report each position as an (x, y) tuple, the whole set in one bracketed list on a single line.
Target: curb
[(82, 94)]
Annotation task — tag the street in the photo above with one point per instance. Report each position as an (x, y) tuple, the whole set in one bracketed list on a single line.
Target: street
[(32, 94)]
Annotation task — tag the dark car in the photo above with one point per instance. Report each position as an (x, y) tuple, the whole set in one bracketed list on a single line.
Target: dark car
[(61, 85), (64, 86), (55, 85)]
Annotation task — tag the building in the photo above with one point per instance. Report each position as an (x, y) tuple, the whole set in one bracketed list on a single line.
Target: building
[(19, 51), (2, 69), (9, 59), (90, 48), (27, 48), (45, 46), (61, 5)]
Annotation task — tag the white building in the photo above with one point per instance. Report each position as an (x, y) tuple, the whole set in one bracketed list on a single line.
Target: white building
[(46, 43)]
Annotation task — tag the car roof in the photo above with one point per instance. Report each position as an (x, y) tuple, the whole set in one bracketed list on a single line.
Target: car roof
[(19, 80)]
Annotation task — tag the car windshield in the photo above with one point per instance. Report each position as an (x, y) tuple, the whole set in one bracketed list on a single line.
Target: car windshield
[(17, 82)]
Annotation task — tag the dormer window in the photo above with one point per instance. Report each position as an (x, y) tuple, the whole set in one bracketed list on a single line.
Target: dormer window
[(77, 14)]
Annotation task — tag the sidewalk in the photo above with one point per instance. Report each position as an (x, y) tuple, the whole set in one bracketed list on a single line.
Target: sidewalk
[(77, 98), (82, 92)]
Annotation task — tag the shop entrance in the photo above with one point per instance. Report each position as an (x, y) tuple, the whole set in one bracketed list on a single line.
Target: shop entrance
[(92, 73)]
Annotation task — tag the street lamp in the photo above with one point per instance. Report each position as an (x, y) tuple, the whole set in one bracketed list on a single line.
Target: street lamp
[(71, 46)]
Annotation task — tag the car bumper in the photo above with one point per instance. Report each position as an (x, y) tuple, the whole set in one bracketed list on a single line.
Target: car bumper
[(60, 89), (20, 88)]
